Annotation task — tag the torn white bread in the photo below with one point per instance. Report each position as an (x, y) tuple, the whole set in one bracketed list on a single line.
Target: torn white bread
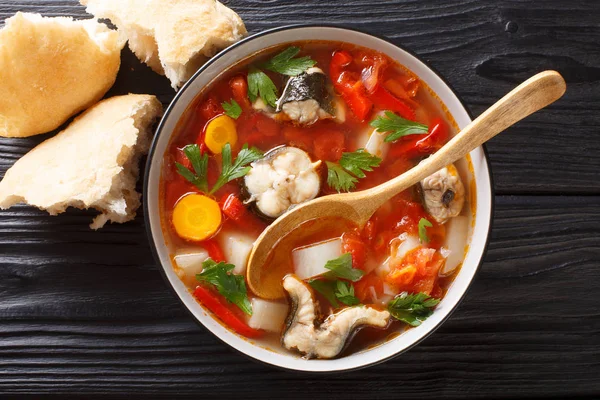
[(52, 68), (174, 37), (93, 163)]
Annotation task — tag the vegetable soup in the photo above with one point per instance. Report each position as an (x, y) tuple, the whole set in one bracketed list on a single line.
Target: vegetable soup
[(285, 126)]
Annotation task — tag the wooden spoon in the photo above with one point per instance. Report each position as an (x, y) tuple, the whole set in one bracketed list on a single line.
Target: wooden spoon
[(535, 93)]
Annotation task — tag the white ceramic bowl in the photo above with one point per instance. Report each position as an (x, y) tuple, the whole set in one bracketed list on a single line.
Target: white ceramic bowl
[(242, 50)]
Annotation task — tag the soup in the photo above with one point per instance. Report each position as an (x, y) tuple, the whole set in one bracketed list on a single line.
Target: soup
[(285, 126)]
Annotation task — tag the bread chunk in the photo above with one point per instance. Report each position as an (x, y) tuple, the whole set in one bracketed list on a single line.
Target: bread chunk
[(51, 69), (174, 37), (93, 163)]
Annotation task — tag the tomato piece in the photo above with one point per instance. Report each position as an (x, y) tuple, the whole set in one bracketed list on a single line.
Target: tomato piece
[(349, 85), (255, 128), (298, 137), (411, 84), (329, 145), (219, 307), (387, 101), (362, 288), (352, 243), (418, 271), (370, 230), (396, 88), (403, 276), (210, 108), (437, 291), (266, 126), (239, 88)]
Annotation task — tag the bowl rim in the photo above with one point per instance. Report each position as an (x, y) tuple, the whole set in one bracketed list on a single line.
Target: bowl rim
[(159, 131)]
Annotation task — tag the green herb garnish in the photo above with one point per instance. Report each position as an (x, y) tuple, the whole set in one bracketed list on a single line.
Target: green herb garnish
[(423, 225), (343, 176), (412, 308), (359, 161), (327, 289), (397, 126), (341, 267), (345, 293), (238, 168), (231, 286), (232, 109), (338, 178), (260, 85), (199, 164), (285, 63), (229, 171)]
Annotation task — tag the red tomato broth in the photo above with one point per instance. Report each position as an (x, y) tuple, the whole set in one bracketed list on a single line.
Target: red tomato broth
[(324, 140)]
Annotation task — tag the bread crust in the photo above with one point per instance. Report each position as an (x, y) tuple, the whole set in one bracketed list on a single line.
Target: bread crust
[(51, 69), (174, 37), (93, 163)]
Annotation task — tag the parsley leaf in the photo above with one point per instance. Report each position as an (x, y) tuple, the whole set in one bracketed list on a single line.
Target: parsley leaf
[(397, 126), (423, 225), (341, 267), (231, 286), (327, 289), (338, 178), (232, 109), (345, 293), (359, 161), (285, 63), (259, 84), (237, 169), (412, 308), (200, 165), (343, 176)]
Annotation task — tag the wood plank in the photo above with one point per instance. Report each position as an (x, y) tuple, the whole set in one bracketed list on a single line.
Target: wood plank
[(483, 48), (87, 312)]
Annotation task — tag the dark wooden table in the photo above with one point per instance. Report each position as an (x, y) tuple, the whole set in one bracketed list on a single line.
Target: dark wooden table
[(87, 313)]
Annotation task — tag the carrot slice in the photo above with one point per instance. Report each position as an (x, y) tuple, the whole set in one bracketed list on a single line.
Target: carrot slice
[(196, 217), (219, 132)]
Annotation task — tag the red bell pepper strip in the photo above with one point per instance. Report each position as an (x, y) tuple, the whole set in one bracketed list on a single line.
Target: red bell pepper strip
[(411, 147), (387, 101), (239, 88), (233, 207), (438, 135), (216, 305), (214, 250), (350, 87)]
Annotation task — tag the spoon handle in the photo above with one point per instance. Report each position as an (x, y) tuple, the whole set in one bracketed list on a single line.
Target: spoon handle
[(535, 93)]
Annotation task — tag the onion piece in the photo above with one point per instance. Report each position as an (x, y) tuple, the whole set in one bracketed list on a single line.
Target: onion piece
[(376, 145), (190, 261), (457, 230), (310, 260), (236, 249), (268, 315)]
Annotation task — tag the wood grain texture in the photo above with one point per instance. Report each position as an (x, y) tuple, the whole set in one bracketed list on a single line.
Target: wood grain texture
[(75, 319), (483, 48), (86, 313)]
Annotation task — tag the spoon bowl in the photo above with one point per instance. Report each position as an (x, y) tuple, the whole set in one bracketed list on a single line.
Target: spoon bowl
[(532, 95)]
